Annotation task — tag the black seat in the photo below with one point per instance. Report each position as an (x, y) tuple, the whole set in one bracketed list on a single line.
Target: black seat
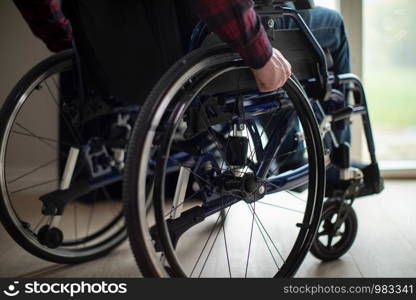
[(298, 51)]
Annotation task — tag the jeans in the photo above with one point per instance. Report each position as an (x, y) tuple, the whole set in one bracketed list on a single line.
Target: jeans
[(328, 28)]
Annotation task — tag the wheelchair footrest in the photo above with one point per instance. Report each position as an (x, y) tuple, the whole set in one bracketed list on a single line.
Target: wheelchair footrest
[(373, 182)]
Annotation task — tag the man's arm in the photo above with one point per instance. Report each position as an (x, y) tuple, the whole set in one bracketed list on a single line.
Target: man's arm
[(47, 22), (237, 24)]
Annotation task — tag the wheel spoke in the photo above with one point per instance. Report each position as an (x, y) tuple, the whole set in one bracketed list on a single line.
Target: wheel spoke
[(46, 139), (111, 199), (42, 140), (297, 197), (278, 187), (225, 237), (32, 171), (67, 122), (213, 244), (34, 186), (250, 241), (322, 233), (91, 212), (330, 238), (205, 245), (181, 204), (282, 207), (286, 155), (226, 250), (58, 86), (268, 235), (265, 241), (269, 121), (74, 203), (219, 145)]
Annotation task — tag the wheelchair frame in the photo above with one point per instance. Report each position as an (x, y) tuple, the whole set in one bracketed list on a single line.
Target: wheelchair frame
[(54, 203), (294, 178), (165, 234)]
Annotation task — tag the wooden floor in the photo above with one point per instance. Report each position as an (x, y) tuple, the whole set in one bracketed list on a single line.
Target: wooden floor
[(385, 246)]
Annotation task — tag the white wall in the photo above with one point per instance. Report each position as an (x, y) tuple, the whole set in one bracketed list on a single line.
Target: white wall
[(19, 49), (19, 52)]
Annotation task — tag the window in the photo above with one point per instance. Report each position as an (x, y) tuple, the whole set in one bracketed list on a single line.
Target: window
[(389, 76), (334, 4)]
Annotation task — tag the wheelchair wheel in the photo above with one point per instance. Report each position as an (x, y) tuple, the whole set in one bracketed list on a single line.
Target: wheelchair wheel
[(337, 231), (38, 127), (206, 130)]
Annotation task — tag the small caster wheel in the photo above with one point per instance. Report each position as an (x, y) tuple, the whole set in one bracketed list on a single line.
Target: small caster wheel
[(54, 238), (50, 237), (337, 231), (42, 234)]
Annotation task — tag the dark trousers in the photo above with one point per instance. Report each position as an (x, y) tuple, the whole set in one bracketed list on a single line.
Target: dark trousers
[(127, 45), (329, 30)]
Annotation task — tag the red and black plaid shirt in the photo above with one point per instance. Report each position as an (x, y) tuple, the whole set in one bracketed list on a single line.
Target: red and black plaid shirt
[(235, 22), (47, 22)]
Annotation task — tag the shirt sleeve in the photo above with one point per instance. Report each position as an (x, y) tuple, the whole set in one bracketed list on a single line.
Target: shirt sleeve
[(237, 24), (47, 22)]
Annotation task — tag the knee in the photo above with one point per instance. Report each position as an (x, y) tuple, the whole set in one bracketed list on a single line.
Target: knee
[(328, 16)]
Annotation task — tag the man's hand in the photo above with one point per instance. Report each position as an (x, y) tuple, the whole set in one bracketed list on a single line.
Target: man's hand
[(274, 74)]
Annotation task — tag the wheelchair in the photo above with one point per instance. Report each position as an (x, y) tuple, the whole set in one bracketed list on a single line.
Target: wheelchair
[(224, 181), (207, 154), (62, 156)]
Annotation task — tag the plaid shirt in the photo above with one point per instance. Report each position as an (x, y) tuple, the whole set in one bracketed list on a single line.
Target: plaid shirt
[(47, 22), (235, 22)]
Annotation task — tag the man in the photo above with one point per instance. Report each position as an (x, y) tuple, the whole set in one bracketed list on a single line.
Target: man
[(123, 41), (47, 22), (234, 21)]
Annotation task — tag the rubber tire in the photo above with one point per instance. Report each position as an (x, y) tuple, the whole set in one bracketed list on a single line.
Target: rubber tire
[(351, 224), (137, 240), (5, 112)]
